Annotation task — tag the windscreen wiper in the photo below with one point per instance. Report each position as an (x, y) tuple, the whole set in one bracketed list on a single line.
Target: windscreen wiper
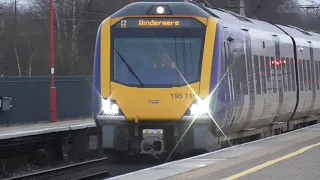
[(129, 68)]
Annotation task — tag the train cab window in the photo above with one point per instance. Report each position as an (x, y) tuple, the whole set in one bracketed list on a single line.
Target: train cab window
[(317, 74), (268, 65), (263, 75), (305, 75), (284, 71), (142, 55), (292, 72), (309, 75), (301, 75), (257, 73), (288, 74), (274, 74)]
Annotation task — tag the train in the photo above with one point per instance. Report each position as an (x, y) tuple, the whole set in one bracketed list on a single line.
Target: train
[(177, 77)]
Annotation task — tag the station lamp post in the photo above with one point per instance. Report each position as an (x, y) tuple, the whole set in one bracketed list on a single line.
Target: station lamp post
[(53, 92)]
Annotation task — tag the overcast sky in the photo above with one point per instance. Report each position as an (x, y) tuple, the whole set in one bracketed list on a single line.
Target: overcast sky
[(302, 2), (18, 1)]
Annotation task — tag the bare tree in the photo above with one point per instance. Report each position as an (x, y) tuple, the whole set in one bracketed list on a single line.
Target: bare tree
[(24, 33), (15, 37)]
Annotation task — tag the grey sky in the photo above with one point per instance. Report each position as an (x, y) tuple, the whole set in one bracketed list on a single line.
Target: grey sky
[(303, 2), (18, 1)]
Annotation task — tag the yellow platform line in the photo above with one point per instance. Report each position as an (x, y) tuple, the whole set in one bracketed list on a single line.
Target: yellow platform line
[(271, 162)]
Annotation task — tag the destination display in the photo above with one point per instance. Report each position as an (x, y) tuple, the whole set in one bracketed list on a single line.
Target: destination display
[(159, 23)]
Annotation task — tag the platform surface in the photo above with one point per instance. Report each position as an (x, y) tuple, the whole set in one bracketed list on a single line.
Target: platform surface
[(44, 128), (294, 155)]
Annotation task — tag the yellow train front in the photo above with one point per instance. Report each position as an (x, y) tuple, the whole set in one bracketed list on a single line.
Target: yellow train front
[(152, 73)]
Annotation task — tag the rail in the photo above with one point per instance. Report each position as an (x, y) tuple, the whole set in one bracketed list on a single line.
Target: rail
[(85, 170)]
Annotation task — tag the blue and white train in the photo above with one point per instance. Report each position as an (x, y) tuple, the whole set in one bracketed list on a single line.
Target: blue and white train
[(161, 66)]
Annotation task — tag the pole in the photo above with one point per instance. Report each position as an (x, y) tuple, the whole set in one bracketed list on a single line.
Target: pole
[(53, 92), (242, 8), (15, 11), (15, 17)]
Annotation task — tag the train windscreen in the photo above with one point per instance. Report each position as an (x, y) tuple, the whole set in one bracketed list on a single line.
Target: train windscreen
[(157, 55)]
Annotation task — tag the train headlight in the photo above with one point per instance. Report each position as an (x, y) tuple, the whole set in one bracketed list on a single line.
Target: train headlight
[(109, 107), (160, 10), (201, 107)]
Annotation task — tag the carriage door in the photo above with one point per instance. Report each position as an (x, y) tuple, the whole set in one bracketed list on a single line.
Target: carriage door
[(250, 76), (229, 84), (278, 76), (312, 79), (235, 69)]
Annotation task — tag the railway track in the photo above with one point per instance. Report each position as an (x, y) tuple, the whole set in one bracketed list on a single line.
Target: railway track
[(94, 169), (89, 170)]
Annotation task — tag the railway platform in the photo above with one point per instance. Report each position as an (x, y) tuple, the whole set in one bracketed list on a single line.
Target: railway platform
[(293, 155), (74, 135), (44, 143), (18, 131)]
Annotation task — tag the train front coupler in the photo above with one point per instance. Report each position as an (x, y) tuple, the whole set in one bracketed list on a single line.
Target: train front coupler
[(152, 142)]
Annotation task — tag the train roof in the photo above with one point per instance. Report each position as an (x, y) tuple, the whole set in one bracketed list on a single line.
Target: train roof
[(225, 16), (234, 18), (299, 33), (177, 8), (315, 35)]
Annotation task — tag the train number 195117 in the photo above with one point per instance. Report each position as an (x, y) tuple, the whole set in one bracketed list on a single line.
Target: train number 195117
[(183, 96)]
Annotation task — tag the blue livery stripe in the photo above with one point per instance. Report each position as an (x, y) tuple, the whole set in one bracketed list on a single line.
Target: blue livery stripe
[(96, 84), (217, 72), (217, 64)]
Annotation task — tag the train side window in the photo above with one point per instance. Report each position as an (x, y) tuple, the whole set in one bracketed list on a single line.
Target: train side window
[(292, 72), (309, 74), (227, 58), (227, 71), (284, 71), (236, 72), (317, 73), (274, 74), (279, 74), (263, 75), (301, 75), (257, 73), (305, 75), (241, 61), (268, 65), (288, 66), (250, 73)]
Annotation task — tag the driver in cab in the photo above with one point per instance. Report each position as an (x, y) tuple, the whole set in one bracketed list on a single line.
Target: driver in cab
[(165, 62)]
